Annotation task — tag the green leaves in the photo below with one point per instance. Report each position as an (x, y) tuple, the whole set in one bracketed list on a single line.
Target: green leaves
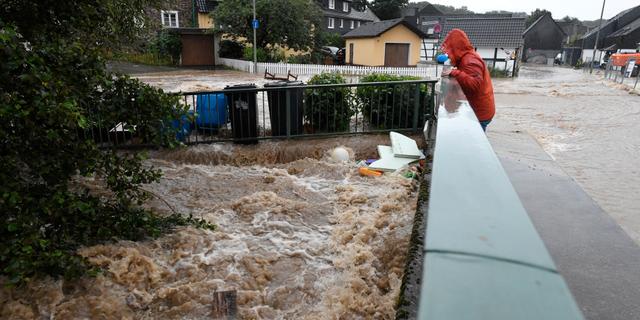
[(56, 95), (329, 109)]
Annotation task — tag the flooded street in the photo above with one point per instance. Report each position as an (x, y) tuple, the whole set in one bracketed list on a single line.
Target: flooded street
[(589, 125), (306, 239)]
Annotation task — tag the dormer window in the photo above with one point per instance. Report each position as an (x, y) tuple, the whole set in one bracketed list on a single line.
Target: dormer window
[(169, 19), (352, 24), (345, 6), (332, 4)]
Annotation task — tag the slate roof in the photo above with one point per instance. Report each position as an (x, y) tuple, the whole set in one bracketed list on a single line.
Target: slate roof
[(626, 30), (374, 29), (613, 20), (366, 15), (489, 32), (206, 6), (540, 19)]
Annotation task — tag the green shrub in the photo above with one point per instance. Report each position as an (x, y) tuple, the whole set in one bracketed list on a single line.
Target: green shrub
[(262, 55), (328, 109), (167, 43), (498, 73), (391, 106), (53, 91), (231, 49)]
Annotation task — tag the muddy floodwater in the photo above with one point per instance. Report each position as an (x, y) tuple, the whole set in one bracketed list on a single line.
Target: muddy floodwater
[(589, 125), (304, 239)]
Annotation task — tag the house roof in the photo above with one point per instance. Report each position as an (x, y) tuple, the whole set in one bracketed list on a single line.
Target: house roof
[(489, 32), (610, 21), (374, 29), (206, 6), (626, 30), (366, 15), (540, 19)]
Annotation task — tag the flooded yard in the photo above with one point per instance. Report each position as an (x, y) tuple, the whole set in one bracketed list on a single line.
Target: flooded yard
[(299, 237), (587, 124)]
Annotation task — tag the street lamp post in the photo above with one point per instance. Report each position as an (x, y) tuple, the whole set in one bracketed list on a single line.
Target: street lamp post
[(255, 49), (595, 46)]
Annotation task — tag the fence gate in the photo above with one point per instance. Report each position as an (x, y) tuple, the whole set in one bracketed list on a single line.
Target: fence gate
[(197, 50)]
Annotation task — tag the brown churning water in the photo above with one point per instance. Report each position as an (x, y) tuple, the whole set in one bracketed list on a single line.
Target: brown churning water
[(305, 239)]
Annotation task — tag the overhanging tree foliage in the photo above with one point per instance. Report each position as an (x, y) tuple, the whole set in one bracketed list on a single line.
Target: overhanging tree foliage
[(287, 23), (388, 9), (53, 88), (535, 15)]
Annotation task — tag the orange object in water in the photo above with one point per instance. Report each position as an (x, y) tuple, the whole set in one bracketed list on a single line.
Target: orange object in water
[(368, 172), (620, 59)]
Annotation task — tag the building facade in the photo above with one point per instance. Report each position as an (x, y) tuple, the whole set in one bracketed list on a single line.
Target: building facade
[(339, 16), (542, 41)]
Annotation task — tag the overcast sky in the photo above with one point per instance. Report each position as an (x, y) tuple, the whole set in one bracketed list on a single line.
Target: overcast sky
[(581, 9)]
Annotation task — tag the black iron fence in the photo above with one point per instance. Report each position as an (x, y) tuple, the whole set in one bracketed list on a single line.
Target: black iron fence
[(246, 113)]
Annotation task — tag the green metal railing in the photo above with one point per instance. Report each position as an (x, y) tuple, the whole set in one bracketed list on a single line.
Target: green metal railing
[(483, 259)]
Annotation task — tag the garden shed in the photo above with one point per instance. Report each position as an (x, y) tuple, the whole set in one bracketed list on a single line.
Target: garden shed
[(389, 43)]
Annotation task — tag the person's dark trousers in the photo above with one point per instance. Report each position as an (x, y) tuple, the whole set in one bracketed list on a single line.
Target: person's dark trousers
[(484, 124)]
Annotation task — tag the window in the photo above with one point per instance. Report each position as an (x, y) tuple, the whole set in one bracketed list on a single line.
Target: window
[(352, 24), (345, 6), (332, 4), (358, 24), (169, 19), (341, 23), (430, 31), (331, 23)]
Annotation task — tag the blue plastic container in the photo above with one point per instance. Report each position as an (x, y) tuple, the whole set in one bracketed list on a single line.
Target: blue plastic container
[(211, 110), (183, 126), (442, 58)]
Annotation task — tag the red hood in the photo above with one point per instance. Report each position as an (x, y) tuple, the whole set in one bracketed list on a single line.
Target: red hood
[(456, 45)]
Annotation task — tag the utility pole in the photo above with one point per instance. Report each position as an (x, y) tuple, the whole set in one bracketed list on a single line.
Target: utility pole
[(595, 46), (255, 49)]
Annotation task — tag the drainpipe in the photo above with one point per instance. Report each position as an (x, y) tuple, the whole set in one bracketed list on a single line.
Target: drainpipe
[(194, 22)]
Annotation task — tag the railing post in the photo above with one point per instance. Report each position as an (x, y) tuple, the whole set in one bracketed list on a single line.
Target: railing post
[(416, 108), (288, 113)]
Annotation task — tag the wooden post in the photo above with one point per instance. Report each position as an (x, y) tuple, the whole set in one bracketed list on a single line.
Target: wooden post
[(495, 57), (224, 305)]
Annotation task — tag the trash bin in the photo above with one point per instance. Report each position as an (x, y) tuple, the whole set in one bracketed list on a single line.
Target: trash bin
[(211, 110), (243, 113), (278, 107)]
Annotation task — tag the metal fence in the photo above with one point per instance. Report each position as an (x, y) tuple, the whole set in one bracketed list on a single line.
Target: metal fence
[(246, 114), (617, 74)]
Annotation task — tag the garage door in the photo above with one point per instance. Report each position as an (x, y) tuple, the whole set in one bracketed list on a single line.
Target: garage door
[(197, 50), (396, 55)]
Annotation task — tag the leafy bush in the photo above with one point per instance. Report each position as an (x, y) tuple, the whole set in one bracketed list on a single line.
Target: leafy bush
[(53, 89), (331, 39), (498, 73), (391, 106), (328, 109), (232, 49), (168, 43), (262, 55)]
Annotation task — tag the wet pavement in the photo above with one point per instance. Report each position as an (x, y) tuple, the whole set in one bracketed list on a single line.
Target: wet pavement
[(588, 125), (568, 142)]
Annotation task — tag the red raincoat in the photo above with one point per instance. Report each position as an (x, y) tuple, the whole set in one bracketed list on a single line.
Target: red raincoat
[(471, 73)]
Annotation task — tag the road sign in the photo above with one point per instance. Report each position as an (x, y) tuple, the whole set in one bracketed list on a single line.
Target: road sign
[(255, 23)]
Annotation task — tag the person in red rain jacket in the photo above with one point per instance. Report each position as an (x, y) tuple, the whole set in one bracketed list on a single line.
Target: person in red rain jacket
[(472, 74)]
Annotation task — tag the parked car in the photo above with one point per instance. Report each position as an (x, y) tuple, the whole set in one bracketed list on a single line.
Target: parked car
[(336, 54)]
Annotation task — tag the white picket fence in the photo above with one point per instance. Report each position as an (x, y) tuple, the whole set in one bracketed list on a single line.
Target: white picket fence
[(281, 69)]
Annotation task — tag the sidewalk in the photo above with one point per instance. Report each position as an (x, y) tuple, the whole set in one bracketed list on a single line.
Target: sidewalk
[(596, 257)]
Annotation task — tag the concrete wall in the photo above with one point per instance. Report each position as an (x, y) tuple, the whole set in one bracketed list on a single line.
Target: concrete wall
[(370, 51)]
